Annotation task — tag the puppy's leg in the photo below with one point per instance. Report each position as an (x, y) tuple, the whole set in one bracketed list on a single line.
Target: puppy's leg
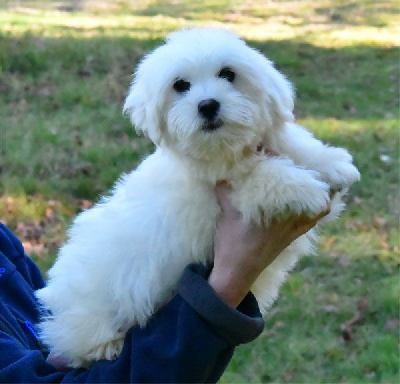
[(276, 185), (80, 338), (107, 351), (334, 164)]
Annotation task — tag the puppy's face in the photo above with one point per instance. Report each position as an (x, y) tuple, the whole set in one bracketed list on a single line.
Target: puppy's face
[(206, 92)]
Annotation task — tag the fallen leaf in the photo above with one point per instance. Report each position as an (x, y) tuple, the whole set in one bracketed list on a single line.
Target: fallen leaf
[(287, 376), (363, 306), (44, 92), (369, 373), (379, 222), (357, 200), (329, 242), (85, 204), (343, 260), (392, 324), (356, 224), (384, 245), (78, 140), (334, 298), (330, 308), (385, 159), (86, 169), (30, 231), (347, 328), (346, 334), (10, 205), (32, 247), (50, 213), (84, 73), (231, 17), (349, 107)]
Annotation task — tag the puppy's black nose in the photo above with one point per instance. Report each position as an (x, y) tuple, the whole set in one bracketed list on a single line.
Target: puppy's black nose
[(208, 108)]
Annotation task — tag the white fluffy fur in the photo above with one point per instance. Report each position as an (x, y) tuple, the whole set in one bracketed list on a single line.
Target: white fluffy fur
[(125, 255)]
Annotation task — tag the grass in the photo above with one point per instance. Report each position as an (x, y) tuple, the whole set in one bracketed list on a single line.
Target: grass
[(65, 68)]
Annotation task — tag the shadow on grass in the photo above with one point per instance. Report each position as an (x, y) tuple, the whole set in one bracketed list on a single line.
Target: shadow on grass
[(358, 13), (187, 9), (355, 13), (341, 83), (79, 85)]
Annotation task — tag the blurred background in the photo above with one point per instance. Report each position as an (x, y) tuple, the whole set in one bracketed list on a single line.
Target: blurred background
[(65, 68)]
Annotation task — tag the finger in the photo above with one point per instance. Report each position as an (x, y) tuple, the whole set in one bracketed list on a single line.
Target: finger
[(322, 214), (304, 220), (270, 152), (305, 223), (222, 191), (57, 361), (314, 220), (267, 151)]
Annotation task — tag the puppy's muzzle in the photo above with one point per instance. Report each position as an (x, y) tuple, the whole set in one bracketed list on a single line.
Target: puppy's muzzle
[(208, 109)]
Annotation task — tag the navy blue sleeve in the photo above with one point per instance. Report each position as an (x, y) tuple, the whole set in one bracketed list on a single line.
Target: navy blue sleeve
[(12, 249), (191, 339)]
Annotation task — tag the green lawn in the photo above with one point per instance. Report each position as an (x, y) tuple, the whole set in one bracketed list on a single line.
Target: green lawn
[(65, 68)]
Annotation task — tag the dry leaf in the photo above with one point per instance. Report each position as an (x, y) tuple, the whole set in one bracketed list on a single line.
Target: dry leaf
[(357, 200), (86, 169), (385, 159), (44, 91), (287, 376), (330, 308), (334, 298), (50, 213), (343, 260), (10, 205), (31, 247), (392, 324), (380, 222), (78, 140), (329, 242), (85, 204), (347, 328)]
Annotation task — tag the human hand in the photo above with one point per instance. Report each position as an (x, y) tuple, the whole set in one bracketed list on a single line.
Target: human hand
[(243, 250), (58, 362)]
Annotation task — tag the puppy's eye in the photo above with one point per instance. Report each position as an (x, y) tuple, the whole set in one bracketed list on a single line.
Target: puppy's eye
[(181, 85), (227, 73)]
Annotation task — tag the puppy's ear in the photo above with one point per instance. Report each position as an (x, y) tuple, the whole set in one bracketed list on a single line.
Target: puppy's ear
[(278, 93), (143, 112), (281, 95)]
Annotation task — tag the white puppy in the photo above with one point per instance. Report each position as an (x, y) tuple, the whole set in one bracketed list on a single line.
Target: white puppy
[(207, 100)]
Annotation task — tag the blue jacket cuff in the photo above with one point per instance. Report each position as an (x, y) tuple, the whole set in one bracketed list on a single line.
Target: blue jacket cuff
[(235, 326)]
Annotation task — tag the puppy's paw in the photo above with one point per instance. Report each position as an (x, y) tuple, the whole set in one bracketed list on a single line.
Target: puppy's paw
[(278, 187), (338, 171), (341, 175), (107, 351), (306, 194)]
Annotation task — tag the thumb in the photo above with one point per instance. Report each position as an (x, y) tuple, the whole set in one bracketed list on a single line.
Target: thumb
[(222, 191), (57, 361)]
